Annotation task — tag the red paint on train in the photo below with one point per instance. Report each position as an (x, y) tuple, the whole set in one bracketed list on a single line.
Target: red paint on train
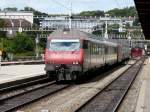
[(64, 57), (137, 52)]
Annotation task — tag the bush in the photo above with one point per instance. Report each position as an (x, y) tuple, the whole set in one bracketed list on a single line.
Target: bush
[(23, 43)]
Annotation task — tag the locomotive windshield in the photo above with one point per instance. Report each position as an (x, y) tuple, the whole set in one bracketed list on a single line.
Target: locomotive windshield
[(64, 45)]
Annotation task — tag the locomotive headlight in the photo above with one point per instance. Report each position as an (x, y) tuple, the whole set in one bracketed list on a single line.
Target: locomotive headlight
[(51, 62), (75, 63)]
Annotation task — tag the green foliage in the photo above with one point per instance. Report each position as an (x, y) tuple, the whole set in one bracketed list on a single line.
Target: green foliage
[(114, 26), (2, 23), (35, 12), (126, 12), (10, 9), (136, 22), (92, 13), (2, 34), (23, 43), (7, 45)]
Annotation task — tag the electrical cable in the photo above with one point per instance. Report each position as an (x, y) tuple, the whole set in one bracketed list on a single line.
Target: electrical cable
[(58, 3)]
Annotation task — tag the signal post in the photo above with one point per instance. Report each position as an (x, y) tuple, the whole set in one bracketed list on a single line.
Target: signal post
[(0, 57)]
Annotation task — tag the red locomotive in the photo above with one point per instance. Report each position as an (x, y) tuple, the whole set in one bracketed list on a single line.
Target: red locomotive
[(70, 53), (137, 52)]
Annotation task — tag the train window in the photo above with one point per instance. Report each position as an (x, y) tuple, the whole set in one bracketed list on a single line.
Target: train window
[(97, 49), (64, 45), (92, 48), (85, 44)]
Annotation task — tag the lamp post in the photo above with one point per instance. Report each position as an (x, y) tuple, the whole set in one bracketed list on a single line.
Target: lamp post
[(129, 38), (106, 27), (70, 16), (20, 26), (36, 47)]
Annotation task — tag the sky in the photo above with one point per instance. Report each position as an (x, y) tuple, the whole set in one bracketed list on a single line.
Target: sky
[(62, 6)]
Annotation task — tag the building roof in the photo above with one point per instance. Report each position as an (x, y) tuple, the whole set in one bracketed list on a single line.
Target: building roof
[(143, 8), (16, 12), (76, 34), (70, 34), (16, 23)]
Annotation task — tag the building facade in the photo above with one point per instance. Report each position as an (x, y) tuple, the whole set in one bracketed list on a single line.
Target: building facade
[(26, 15)]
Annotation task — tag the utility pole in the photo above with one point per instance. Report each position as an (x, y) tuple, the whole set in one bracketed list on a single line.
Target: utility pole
[(129, 35), (106, 27), (70, 16), (129, 38), (120, 26), (36, 47)]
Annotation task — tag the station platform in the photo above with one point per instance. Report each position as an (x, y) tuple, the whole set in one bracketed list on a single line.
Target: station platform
[(143, 101), (20, 72), (22, 62)]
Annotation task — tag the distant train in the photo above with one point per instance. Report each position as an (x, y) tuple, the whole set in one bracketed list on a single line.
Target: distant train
[(71, 53), (137, 52)]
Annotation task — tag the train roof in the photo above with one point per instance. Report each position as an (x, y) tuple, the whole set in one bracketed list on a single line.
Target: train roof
[(67, 34), (76, 34)]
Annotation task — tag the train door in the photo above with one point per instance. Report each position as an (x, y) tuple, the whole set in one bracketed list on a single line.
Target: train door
[(86, 48), (106, 54), (119, 53), (103, 54)]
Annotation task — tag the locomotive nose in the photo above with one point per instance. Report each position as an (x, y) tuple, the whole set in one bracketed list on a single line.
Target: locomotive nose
[(63, 58)]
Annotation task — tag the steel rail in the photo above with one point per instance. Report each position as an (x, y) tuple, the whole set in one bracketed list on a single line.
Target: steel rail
[(15, 102), (113, 109), (25, 90), (8, 86)]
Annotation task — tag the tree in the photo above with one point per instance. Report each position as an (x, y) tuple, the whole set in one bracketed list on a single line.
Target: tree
[(92, 13), (36, 13), (23, 43), (125, 12), (10, 9), (113, 26), (2, 23), (136, 22)]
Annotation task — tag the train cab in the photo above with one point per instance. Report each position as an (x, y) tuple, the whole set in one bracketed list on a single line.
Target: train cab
[(64, 55)]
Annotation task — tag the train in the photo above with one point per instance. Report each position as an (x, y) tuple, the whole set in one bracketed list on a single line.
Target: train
[(71, 53), (137, 52)]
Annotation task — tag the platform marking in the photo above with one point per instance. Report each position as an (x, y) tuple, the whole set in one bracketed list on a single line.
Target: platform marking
[(149, 59), (140, 102)]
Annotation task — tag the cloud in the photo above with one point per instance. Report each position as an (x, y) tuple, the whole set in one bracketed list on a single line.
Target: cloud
[(85, 1), (54, 6)]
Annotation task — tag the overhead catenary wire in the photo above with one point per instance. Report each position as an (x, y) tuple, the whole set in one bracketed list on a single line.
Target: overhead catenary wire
[(68, 8), (60, 4)]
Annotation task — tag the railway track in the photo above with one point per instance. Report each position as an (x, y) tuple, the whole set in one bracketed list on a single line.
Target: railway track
[(110, 98), (72, 98), (8, 86), (13, 102), (22, 90)]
